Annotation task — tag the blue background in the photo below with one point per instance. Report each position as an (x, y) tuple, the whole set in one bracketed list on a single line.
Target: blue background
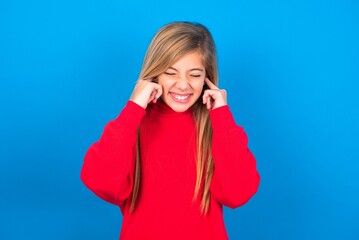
[(291, 72)]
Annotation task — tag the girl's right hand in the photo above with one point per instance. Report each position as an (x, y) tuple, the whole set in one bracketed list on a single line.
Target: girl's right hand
[(145, 92)]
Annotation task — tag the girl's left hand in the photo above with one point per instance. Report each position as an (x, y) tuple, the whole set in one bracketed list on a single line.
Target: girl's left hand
[(214, 97)]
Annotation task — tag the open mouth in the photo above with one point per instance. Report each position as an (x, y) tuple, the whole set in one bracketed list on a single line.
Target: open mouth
[(181, 98)]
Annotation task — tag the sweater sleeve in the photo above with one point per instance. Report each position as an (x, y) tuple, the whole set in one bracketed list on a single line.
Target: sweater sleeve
[(235, 179), (108, 166)]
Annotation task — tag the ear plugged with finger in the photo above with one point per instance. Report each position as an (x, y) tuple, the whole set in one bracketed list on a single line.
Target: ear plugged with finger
[(210, 84)]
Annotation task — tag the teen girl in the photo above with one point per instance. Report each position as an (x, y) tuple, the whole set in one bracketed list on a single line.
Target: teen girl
[(174, 155)]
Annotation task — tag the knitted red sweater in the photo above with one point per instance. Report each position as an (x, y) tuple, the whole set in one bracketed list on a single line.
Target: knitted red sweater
[(165, 209)]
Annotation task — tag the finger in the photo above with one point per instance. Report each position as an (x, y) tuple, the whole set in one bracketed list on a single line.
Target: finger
[(158, 92), (210, 84), (157, 95), (212, 94), (206, 100), (152, 96), (150, 99), (205, 97), (209, 104)]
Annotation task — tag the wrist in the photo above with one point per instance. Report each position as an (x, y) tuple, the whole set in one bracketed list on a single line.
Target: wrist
[(139, 102), (218, 105)]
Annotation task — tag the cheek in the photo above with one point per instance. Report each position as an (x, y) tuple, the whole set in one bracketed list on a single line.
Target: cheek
[(198, 86), (166, 81)]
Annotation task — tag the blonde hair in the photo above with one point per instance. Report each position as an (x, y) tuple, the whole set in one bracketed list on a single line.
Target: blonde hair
[(170, 43)]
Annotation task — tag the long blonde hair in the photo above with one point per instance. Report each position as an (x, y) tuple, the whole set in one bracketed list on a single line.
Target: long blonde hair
[(170, 43)]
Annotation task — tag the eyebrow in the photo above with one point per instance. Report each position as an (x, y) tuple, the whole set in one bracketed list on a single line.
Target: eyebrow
[(192, 69)]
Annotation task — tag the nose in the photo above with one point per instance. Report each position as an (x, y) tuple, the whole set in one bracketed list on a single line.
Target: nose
[(182, 83)]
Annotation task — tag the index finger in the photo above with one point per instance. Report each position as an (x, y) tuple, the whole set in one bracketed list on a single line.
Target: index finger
[(210, 84)]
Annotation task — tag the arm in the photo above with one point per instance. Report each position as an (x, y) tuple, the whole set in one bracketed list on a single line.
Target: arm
[(108, 167), (235, 179)]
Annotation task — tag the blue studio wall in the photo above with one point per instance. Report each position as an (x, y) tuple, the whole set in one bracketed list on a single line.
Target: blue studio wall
[(291, 72)]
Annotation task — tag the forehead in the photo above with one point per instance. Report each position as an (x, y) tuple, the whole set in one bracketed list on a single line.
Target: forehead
[(192, 59)]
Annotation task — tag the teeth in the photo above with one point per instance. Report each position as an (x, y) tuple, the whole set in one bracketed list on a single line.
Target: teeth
[(181, 97)]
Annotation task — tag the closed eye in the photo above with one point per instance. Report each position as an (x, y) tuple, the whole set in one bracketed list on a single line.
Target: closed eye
[(196, 76), (170, 74)]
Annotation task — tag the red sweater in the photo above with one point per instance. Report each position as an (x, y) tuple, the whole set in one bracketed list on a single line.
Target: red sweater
[(165, 209)]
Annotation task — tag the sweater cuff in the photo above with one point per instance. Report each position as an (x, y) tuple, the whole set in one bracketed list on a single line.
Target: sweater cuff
[(222, 119), (131, 115)]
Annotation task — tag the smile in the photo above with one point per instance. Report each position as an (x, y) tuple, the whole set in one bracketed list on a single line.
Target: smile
[(182, 98)]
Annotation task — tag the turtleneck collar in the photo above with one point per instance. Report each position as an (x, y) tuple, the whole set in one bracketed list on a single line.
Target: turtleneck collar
[(164, 110)]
